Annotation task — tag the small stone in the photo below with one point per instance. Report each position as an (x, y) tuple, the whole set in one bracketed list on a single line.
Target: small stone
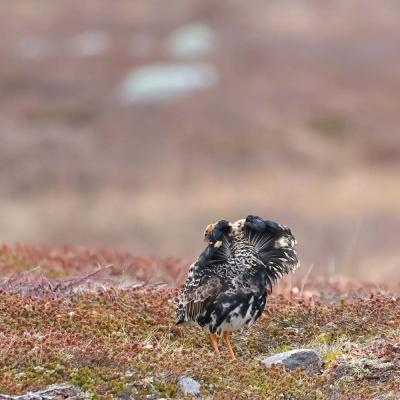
[(189, 386), (306, 359)]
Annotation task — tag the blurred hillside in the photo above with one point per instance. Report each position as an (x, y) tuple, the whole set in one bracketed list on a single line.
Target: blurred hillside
[(284, 109)]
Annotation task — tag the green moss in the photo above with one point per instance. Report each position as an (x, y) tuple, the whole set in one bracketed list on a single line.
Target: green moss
[(330, 357), (165, 389), (97, 382)]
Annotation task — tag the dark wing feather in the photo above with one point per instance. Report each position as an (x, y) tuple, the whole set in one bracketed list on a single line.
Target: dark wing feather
[(275, 245), (202, 285), (216, 253), (197, 299)]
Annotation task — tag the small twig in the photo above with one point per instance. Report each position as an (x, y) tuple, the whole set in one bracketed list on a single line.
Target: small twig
[(74, 282), (304, 280)]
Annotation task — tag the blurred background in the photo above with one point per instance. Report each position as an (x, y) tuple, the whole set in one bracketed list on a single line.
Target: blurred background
[(134, 124)]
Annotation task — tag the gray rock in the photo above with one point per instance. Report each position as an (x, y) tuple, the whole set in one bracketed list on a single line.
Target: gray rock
[(189, 386), (192, 40), (63, 391), (161, 82), (306, 359)]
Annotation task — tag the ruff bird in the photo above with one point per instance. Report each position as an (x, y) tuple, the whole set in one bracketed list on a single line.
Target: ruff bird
[(227, 286)]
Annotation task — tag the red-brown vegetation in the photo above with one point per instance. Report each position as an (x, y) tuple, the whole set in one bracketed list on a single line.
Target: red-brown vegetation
[(121, 340)]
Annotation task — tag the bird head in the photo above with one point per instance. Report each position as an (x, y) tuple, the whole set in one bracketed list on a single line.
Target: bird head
[(256, 223), (215, 232)]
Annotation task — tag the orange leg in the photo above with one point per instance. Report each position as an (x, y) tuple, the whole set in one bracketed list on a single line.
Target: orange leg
[(214, 342), (229, 346)]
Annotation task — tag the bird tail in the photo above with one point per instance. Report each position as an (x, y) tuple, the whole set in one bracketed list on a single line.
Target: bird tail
[(275, 244)]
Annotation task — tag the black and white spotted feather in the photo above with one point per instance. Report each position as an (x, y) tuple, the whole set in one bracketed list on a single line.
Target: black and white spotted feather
[(275, 245), (226, 288)]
